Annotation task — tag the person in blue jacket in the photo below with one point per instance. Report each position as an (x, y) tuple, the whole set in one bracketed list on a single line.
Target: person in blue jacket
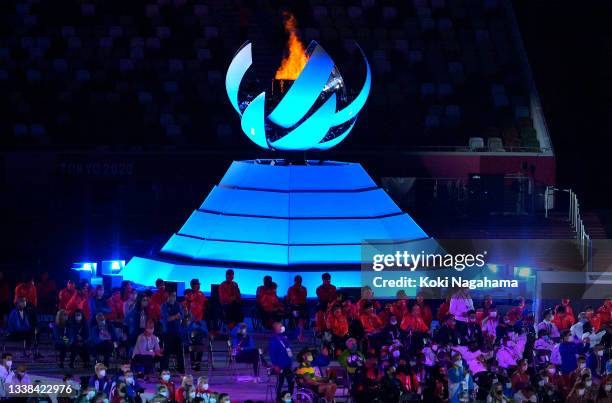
[(100, 381), (460, 380), (569, 350), (98, 304), (19, 326), (243, 348), (281, 357), (102, 338), (61, 335)]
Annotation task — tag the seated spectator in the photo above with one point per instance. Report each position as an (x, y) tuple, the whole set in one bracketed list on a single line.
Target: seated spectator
[(305, 375), (80, 301), (61, 335), (338, 325), (98, 304), (20, 327), (604, 393), (525, 394), (296, 299), (115, 304), (446, 334), (326, 292), (202, 389), (100, 382), (267, 280), (352, 359), (66, 294), (372, 324), (508, 354), (443, 309), (6, 370), (413, 321), (102, 338), (186, 392), (166, 380), (19, 376), (596, 363), (459, 379), (230, 300), (272, 309), (516, 313), (548, 325), (161, 295), (26, 289), (562, 320), (367, 296), (593, 319), (146, 349), (543, 342), (520, 378), (197, 332), (172, 316), (132, 388), (474, 357), (577, 393), (243, 348), (79, 335), (581, 326)]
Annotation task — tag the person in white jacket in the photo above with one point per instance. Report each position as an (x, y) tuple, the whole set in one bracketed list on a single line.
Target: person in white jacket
[(460, 303), (5, 371), (508, 355)]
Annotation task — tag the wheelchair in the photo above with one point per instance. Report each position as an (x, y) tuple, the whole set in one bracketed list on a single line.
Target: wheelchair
[(306, 395)]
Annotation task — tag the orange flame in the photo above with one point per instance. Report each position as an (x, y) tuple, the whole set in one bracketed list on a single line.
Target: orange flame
[(292, 65)]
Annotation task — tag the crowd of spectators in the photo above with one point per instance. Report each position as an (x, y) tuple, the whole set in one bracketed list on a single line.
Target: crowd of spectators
[(390, 350)]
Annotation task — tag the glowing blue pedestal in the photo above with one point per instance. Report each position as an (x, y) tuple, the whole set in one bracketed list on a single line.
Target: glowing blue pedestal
[(271, 218)]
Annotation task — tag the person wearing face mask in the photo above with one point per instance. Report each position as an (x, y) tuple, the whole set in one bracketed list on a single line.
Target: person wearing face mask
[(460, 303), (79, 301), (526, 394), (165, 379), (604, 393), (496, 394), (146, 349), (473, 356), (548, 325), (338, 325), (186, 392), (243, 348), (489, 325), (18, 377), (100, 381), (577, 394), (590, 387), (101, 338), (203, 389), (391, 332), (136, 318), (351, 358), (79, 335), (305, 376), (446, 334), (162, 395), (115, 303), (470, 331), (285, 398), (595, 361), (507, 356), (224, 398), (132, 388), (459, 379), (520, 378), (281, 357), (5, 370), (61, 335), (87, 395)]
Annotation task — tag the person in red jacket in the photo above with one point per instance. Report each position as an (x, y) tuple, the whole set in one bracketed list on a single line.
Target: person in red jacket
[(569, 311), (326, 292), (414, 321), (561, 319), (46, 292), (197, 301), (369, 320), (338, 325), (273, 309), (80, 300), (296, 299), (161, 295), (443, 309), (367, 295), (605, 311), (166, 380), (66, 294), (115, 303), (425, 309), (594, 319), (516, 313), (183, 393), (27, 290), (230, 300)]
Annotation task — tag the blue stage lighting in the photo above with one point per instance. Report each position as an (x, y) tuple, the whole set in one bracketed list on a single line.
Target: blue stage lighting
[(293, 125)]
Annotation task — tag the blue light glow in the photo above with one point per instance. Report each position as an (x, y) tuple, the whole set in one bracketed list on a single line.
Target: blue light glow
[(523, 271), (310, 86)]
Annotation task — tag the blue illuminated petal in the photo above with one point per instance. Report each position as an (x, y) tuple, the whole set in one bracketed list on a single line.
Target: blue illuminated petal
[(305, 90), (253, 121), (311, 132), (336, 140), (354, 107), (236, 71)]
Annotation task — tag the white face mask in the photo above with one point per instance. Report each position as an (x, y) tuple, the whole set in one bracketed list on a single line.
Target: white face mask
[(509, 385), (102, 372), (9, 364), (582, 365), (589, 383), (129, 380), (600, 353), (608, 388), (580, 392), (91, 394), (192, 395), (459, 363), (166, 377), (552, 370), (282, 329), (205, 386), (164, 393)]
